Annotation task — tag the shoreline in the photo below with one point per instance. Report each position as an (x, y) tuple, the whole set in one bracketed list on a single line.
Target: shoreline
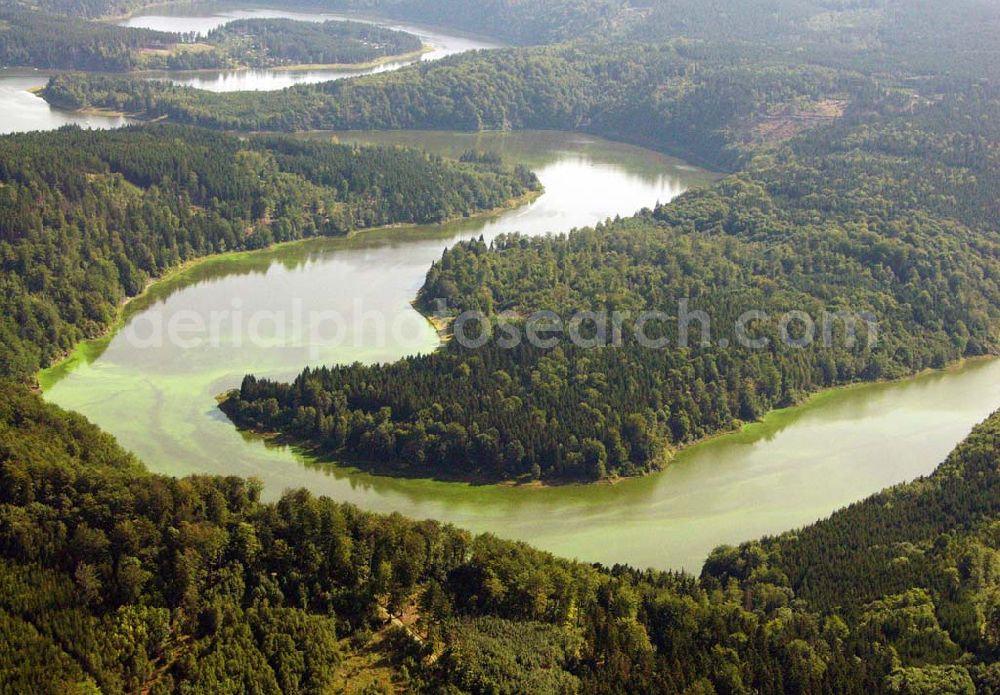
[(302, 8), (667, 457), (47, 377), (410, 57), (441, 327)]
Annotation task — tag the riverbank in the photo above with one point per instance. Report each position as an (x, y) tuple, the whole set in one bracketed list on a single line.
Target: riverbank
[(371, 64), (39, 92), (346, 14), (794, 467), (772, 421)]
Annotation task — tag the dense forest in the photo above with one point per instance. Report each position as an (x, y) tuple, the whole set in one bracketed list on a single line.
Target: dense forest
[(88, 217), (116, 580), (41, 40), (640, 78), (518, 22), (874, 35), (272, 42), (891, 185)]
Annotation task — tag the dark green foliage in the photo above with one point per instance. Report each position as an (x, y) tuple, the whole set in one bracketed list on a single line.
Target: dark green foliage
[(116, 579), (915, 535), (656, 95), (52, 41), (545, 21), (261, 42), (88, 217), (879, 37), (90, 8), (127, 582), (500, 657), (914, 569), (518, 22), (876, 36)]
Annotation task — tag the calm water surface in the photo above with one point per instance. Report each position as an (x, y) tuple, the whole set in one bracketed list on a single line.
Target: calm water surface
[(20, 110), (201, 19), (796, 466)]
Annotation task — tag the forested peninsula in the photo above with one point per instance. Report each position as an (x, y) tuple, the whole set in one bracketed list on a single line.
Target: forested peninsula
[(884, 204), (88, 218), (851, 191)]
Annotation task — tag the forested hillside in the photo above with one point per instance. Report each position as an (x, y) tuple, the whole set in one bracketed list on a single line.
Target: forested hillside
[(891, 185), (42, 40), (873, 35), (880, 37), (938, 534), (88, 217), (545, 21), (121, 580), (862, 139), (656, 95), (914, 567)]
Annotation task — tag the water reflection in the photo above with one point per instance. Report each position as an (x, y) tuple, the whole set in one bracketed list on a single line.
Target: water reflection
[(21, 109)]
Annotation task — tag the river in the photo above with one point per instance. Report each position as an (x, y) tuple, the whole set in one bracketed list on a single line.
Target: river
[(21, 110), (796, 466)]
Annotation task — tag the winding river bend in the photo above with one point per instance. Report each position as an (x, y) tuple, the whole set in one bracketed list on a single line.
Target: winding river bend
[(796, 466)]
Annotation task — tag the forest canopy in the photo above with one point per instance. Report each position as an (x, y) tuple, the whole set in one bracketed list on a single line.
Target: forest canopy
[(87, 218), (862, 138), (871, 35)]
